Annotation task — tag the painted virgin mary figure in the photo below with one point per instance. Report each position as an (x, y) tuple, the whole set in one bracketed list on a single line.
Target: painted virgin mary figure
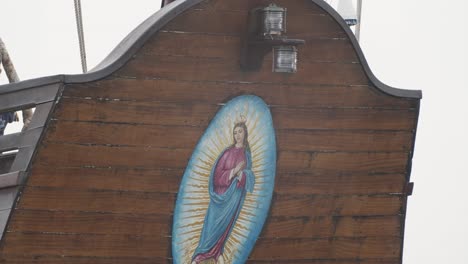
[(230, 179)]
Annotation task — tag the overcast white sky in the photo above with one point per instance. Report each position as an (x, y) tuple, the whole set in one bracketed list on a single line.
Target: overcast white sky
[(417, 44)]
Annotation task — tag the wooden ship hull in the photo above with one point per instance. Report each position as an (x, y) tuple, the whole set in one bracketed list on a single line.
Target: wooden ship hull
[(97, 173)]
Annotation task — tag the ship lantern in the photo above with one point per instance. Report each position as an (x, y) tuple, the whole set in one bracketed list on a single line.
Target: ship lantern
[(285, 59), (274, 20)]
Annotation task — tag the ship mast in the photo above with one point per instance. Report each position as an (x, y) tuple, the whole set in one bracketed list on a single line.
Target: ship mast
[(12, 75)]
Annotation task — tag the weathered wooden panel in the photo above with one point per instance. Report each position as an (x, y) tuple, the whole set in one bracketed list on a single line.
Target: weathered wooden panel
[(103, 186), (200, 114), (329, 183), (150, 246), (60, 259), (41, 259), (162, 203), (186, 136), (75, 155), (90, 223), (305, 26), (214, 69), (324, 248), (326, 162), (86, 245), (167, 180), (160, 225), (177, 91), (130, 179), (229, 47)]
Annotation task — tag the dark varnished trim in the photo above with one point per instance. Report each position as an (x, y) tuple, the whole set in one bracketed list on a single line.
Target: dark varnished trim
[(138, 37)]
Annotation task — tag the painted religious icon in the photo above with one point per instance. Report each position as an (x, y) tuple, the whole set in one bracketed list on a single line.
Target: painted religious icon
[(227, 186)]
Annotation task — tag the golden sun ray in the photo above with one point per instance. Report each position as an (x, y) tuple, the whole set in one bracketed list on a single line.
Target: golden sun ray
[(201, 180), (218, 148), (196, 223), (204, 177), (208, 156), (212, 152), (192, 231), (194, 210), (206, 163), (206, 169), (198, 186)]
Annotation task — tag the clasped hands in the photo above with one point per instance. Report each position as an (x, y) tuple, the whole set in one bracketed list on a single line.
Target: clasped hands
[(237, 171)]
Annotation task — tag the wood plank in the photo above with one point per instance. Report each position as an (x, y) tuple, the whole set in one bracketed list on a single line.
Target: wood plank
[(161, 225), (73, 155), (215, 69), (154, 180), (351, 183), (56, 259), (320, 205), (305, 25), (328, 227), (188, 136), (118, 179), (274, 249), (135, 112), (200, 115), (44, 259), (306, 96), (41, 198), (97, 200), (150, 247), (86, 245), (76, 222), (229, 47), (392, 162), (329, 261)]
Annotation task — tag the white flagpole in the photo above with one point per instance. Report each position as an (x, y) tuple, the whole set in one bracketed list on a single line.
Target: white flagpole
[(358, 26)]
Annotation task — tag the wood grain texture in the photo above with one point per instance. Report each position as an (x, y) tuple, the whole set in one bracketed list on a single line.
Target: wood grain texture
[(305, 25), (188, 136), (178, 91), (168, 180), (56, 259), (214, 69), (86, 245), (75, 155), (105, 178), (129, 202), (228, 47), (48, 259), (150, 247), (91, 223), (274, 249), (171, 114)]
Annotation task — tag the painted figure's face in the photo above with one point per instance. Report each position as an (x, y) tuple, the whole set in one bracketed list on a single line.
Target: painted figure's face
[(239, 135)]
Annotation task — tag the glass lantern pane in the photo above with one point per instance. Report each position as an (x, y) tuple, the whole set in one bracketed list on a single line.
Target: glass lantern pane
[(273, 23), (285, 59)]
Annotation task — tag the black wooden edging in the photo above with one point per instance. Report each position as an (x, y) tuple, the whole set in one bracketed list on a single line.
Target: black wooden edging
[(26, 98), (9, 179), (19, 140)]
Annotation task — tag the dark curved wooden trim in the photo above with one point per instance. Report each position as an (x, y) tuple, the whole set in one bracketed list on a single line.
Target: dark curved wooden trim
[(136, 39)]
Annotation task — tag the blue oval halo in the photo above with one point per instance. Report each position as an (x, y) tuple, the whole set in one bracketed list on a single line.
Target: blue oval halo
[(226, 224)]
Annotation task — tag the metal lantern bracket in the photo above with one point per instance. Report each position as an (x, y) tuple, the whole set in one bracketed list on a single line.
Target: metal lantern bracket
[(259, 43)]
